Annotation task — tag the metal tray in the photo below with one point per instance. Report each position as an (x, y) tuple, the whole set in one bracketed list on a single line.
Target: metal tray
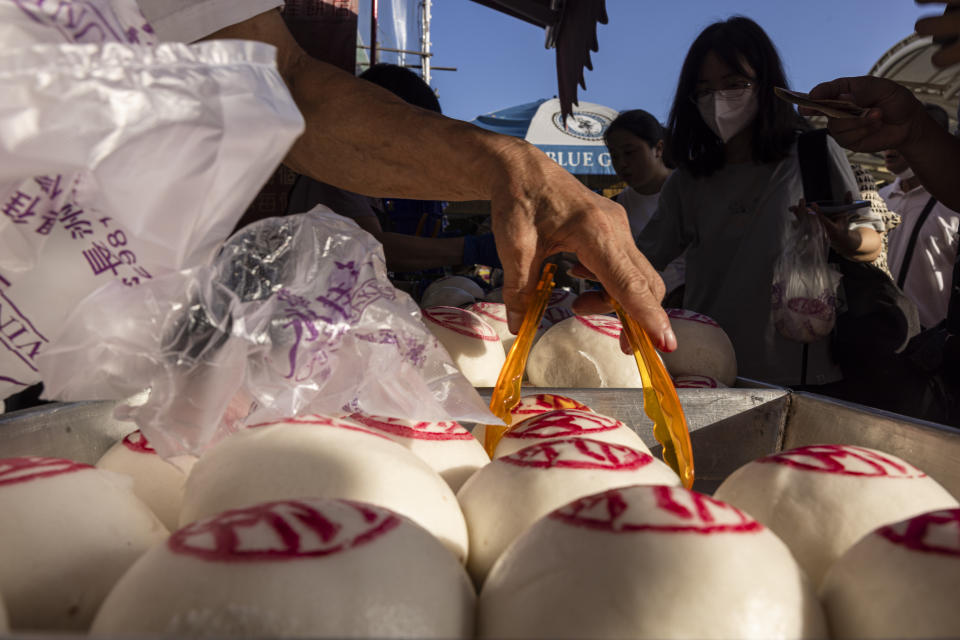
[(729, 427)]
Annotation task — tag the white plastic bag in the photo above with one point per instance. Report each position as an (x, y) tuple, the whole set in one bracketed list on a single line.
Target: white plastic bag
[(804, 294), (119, 162), (294, 315)]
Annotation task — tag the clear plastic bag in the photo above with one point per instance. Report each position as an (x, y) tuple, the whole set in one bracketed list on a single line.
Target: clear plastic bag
[(119, 162), (804, 294), (294, 315)]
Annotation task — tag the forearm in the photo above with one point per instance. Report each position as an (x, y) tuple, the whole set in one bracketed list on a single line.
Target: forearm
[(860, 244), (934, 156), (362, 138)]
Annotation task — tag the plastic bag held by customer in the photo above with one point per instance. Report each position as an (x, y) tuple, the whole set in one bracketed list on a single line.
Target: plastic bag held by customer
[(803, 299), (294, 315), (119, 161)]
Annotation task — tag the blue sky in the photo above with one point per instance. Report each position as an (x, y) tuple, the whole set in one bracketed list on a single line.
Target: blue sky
[(501, 61)]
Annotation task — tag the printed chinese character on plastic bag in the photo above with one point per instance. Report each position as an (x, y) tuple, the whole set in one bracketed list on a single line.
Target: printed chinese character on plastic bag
[(294, 315), (119, 161)]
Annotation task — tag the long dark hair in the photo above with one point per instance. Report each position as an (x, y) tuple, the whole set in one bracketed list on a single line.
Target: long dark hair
[(638, 122), (737, 40)]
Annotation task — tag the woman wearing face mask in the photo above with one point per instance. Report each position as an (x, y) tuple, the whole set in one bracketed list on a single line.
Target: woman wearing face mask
[(635, 141), (736, 187)]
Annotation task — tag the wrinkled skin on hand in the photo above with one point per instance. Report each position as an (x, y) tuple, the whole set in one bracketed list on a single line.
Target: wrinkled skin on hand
[(891, 123), (547, 211)]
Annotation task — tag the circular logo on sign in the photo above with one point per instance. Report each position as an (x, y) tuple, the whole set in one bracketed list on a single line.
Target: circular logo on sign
[(561, 423), (579, 453), (447, 430), (542, 402), (461, 321), (493, 310), (655, 508), (585, 125), (17, 470), (606, 325), (283, 530), (844, 460), (934, 532), (137, 442), (686, 314)]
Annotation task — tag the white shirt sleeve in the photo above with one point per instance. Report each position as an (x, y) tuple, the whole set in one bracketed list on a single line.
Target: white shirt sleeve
[(191, 20)]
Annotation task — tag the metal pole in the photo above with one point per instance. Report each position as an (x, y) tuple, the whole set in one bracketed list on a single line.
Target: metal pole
[(425, 43), (373, 32)]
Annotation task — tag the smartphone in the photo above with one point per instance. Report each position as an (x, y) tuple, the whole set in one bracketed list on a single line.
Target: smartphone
[(831, 207)]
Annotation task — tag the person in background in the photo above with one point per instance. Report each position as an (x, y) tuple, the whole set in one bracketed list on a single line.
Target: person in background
[(410, 242), (635, 141), (736, 188), (923, 248), (361, 137), (897, 120)]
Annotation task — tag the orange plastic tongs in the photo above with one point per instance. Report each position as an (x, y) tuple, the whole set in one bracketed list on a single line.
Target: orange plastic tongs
[(506, 394), (660, 401)]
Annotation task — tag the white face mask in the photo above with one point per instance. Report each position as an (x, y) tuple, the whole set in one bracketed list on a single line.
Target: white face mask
[(728, 116)]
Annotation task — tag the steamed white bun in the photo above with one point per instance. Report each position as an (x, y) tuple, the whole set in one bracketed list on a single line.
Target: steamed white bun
[(68, 532), (314, 456), (821, 499), (900, 581), (703, 348), (511, 493), (158, 482), (582, 351), (567, 423), (648, 562), (303, 567), (447, 447), (473, 345)]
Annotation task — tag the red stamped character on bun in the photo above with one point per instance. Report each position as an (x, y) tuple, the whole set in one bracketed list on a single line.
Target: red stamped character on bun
[(844, 460), (606, 325), (17, 470), (562, 423), (138, 443), (543, 402), (461, 321), (446, 430), (493, 310), (674, 510), (935, 532), (686, 314), (579, 453), (283, 530)]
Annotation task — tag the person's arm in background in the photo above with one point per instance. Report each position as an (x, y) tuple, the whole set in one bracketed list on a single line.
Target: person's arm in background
[(896, 120), (362, 138)]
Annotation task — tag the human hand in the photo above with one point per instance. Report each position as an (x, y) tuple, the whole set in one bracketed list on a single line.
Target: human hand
[(894, 118), (841, 238), (538, 210), (944, 29)]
